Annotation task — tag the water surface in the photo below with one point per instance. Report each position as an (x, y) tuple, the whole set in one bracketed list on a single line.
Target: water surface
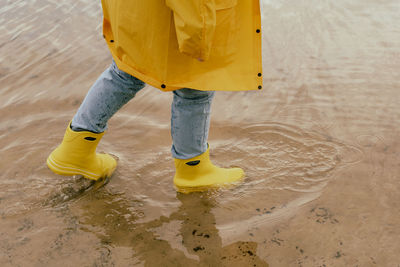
[(320, 147)]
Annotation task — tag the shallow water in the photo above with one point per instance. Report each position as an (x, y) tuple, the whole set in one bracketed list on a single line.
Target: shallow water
[(320, 147)]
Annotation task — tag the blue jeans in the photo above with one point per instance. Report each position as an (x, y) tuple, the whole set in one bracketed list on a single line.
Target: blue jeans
[(190, 111)]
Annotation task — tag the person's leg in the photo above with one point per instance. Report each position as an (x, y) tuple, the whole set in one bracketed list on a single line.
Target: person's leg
[(76, 155), (113, 89), (190, 122)]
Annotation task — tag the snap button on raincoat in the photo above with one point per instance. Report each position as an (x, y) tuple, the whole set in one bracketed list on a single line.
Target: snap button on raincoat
[(199, 44)]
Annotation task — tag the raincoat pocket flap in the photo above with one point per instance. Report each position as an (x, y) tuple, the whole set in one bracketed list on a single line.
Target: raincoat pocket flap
[(224, 4)]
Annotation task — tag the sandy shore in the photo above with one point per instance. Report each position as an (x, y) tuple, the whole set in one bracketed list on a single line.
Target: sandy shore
[(320, 146)]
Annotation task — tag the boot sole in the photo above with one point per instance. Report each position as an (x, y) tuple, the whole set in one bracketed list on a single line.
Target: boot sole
[(186, 189), (62, 169)]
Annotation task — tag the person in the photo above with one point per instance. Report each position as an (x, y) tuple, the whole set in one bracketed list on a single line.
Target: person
[(192, 48)]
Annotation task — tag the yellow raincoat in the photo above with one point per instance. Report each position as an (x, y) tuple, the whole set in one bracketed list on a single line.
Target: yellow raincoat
[(198, 44)]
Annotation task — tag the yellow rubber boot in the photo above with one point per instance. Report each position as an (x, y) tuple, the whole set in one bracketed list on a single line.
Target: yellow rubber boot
[(77, 156), (199, 174)]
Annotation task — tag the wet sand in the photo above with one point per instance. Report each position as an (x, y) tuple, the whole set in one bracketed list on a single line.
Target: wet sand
[(320, 146)]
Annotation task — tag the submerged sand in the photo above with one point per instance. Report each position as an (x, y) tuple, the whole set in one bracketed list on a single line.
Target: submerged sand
[(320, 146)]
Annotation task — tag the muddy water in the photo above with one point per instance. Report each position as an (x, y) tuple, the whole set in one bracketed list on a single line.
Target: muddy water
[(320, 146)]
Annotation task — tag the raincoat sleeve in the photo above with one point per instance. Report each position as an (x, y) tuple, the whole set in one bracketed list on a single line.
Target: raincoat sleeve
[(195, 22)]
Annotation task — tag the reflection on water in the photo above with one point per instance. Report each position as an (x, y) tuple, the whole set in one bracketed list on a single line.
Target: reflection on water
[(319, 146), (186, 237)]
